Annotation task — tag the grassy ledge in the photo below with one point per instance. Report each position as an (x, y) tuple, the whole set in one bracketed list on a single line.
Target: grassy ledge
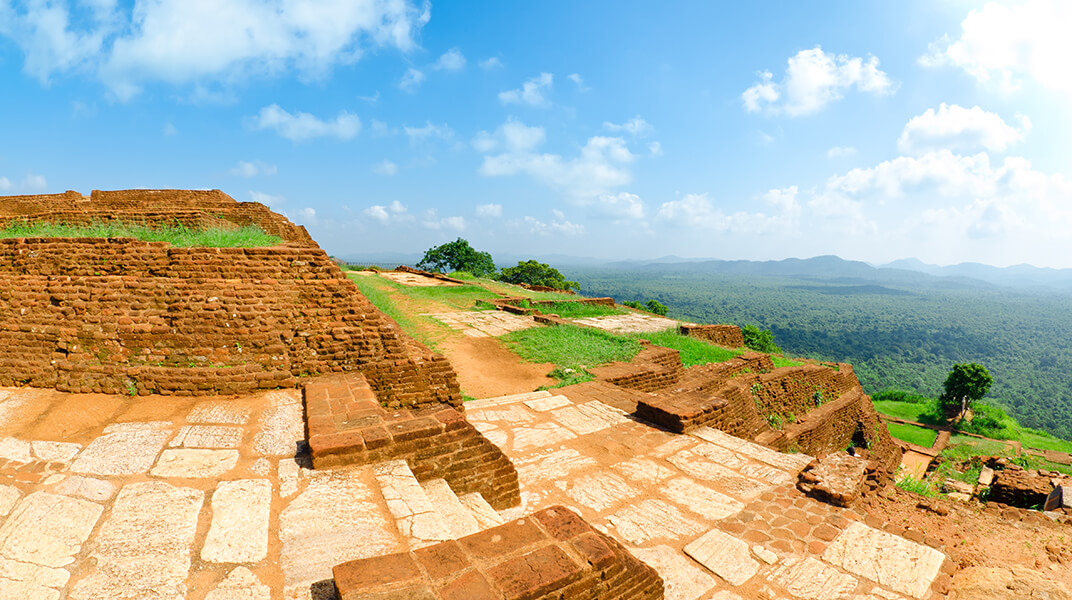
[(571, 349), (692, 351), (179, 236)]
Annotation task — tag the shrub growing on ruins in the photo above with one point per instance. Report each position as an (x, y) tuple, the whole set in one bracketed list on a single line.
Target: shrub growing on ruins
[(656, 307), (760, 340), (530, 272), (965, 384), (457, 256)]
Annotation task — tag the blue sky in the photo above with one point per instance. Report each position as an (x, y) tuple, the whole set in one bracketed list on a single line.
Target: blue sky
[(870, 130)]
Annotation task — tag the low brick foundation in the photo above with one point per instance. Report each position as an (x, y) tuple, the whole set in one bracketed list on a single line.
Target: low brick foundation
[(346, 425), (728, 336), (681, 412), (654, 368), (550, 554)]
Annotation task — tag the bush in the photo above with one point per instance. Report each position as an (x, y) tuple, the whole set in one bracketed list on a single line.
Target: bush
[(530, 272), (656, 307), (457, 256), (760, 340)]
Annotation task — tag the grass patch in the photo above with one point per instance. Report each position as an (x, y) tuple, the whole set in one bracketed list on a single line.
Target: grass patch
[(693, 351), (781, 361), (569, 347), (378, 291), (1041, 440), (461, 297), (962, 447), (179, 236), (917, 486), (912, 434), (577, 310), (921, 413)]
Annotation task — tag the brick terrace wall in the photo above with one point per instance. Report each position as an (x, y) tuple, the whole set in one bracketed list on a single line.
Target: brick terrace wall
[(194, 208), (97, 315), (552, 554), (793, 389), (723, 335), (653, 368), (346, 425)]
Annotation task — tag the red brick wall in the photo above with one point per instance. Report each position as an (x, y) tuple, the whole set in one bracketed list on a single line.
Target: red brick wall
[(722, 335), (552, 554)]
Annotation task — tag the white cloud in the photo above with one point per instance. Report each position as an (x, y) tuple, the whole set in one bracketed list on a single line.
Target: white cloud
[(618, 207), (30, 183), (394, 212), (380, 129), (600, 166), (266, 199), (252, 169), (532, 92), (430, 219), (451, 60), (490, 64), (411, 80), (304, 126), (306, 216), (489, 210), (169, 129), (577, 79), (559, 224), (182, 42), (783, 200), (385, 167), (841, 151), (636, 127), (814, 79), (428, 132), (655, 148), (698, 211), (957, 128), (1003, 43)]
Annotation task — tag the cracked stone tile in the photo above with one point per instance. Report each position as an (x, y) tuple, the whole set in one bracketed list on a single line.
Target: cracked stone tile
[(316, 535), (700, 499), (674, 445), (239, 531), (600, 491), (539, 435), (198, 463), (15, 449), (123, 449), (219, 412), (282, 429), (787, 462), (724, 555), (589, 417), (288, 470), (682, 578), (653, 519), (511, 414), (806, 577), (644, 470), (55, 451), (207, 436), (550, 403), (414, 513), (47, 529), (768, 474), (9, 495), (552, 466), (887, 559), (727, 481), (455, 516), (97, 490), (143, 548), (722, 456), (240, 584)]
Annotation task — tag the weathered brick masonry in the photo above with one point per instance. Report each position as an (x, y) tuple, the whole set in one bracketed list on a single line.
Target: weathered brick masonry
[(346, 425), (550, 554), (723, 335)]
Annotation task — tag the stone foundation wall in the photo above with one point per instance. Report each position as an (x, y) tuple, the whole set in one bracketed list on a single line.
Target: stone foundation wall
[(722, 335), (346, 425), (799, 390), (654, 368), (552, 554), (125, 316)]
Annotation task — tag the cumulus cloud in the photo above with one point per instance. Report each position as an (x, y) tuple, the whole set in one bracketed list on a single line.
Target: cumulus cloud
[(700, 211), (600, 166), (489, 210), (451, 60), (957, 128), (813, 79), (579, 82), (395, 212), (558, 224), (430, 219), (841, 151), (30, 183), (635, 127), (301, 126), (618, 207), (252, 169), (1004, 43), (306, 216), (385, 167), (182, 42), (266, 199), (169, 129), (490, 64), (411, 80), (532, 93)]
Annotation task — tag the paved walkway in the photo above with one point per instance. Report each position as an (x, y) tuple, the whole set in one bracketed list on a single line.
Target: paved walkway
[(111, 497), (416, 280), (629, 323), (484, 323)]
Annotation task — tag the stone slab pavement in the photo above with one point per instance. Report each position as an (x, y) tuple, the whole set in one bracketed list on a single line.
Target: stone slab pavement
[(484, 323), (629, 323)]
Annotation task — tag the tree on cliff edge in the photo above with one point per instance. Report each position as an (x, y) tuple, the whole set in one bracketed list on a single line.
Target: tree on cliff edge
[(457, 256), (966, 383), (531, 272)]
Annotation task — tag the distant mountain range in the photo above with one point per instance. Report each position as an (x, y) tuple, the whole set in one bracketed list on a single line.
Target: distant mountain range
[(829, 268)]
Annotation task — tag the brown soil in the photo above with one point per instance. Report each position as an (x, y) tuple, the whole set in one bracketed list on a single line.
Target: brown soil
[(486, 369), (975, 536)]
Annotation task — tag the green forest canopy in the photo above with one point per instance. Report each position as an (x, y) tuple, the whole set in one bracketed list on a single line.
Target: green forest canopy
[(900, 334)]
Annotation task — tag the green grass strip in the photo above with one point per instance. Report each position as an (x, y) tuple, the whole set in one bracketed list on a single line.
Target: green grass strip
[(579, 310), (693, 351), (570, 347), (179, 236), (912, 434)]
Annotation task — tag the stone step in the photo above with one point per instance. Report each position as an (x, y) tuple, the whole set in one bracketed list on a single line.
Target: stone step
[(486, 516), (510, 399), (456, 517), (414, 513)]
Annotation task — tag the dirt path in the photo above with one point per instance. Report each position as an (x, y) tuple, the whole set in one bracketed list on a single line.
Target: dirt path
[(486, 369)]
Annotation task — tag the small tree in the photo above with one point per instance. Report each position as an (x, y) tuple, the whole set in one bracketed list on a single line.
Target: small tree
[(654, 306), (530, 272), (760, 340), (965, 384), (457, 256)]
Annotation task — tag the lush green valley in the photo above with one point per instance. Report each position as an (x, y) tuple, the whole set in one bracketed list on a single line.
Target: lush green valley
[(899, 329)]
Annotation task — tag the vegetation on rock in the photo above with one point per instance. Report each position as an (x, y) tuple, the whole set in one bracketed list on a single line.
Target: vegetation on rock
[(531, 272), (457, 256), (180, 236), (966, 384)]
